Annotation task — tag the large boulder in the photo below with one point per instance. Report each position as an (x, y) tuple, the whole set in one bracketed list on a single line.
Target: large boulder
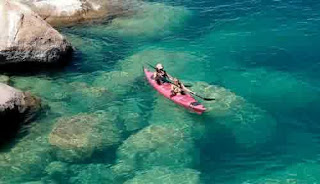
[(77, 137), (59, 12), (155, 145), (27, 38), (16, 107)]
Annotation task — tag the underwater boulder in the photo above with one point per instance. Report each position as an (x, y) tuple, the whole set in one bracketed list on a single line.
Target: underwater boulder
[(160, 175), (167, 113), (26, 38), (58, 171), (155, 145), (4, 79), (91, 173), (87, 90), (304, 172), (25, 161), (116, 82), (249, 124), (44, 87), (277, 91), (77, 137), (149, 21), (16, 108)]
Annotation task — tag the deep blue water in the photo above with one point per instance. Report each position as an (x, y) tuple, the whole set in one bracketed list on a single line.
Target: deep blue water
[(261, 56)]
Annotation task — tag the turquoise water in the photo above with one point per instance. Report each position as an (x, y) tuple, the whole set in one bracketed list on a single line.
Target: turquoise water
[(258, 59)]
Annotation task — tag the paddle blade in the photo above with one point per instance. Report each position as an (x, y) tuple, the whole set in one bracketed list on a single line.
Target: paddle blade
[(209, 99)]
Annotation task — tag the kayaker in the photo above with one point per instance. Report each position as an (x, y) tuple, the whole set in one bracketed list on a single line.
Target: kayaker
[(160, 75), (178, 88)]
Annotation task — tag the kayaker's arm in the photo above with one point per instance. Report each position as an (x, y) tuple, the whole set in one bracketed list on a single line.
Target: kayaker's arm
[(186, 89), (169, 77)]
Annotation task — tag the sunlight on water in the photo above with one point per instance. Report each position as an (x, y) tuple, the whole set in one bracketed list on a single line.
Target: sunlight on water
[(103, 123)]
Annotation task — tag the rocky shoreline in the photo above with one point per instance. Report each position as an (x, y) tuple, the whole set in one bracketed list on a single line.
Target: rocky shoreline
[(28, 42)]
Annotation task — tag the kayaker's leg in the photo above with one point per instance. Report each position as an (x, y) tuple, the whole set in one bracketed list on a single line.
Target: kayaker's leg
[(158, 80), (173, 93)]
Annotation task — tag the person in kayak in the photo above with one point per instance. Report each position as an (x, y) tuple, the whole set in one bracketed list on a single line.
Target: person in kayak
[(160, 75), (177, 88)]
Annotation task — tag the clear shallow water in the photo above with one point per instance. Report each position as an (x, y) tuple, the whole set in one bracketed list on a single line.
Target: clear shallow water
[(260, 60)]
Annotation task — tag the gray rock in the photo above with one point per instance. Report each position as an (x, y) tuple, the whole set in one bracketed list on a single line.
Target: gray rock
[(16, 107), (27, 38), (61, 13)]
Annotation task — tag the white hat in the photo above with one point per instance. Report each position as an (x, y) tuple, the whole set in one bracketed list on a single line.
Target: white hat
[(159, 66)]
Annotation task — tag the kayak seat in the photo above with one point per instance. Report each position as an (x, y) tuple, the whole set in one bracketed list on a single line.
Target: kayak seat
[(152, 77), (195, 103)]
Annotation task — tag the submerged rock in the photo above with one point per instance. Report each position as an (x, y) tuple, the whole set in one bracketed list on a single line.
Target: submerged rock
[(117, 82), (249, 124), (26, 38), (25, 161), (295, 173), (160, 175), (4, 79), (150, 21), (16, 108), (76, 138), (154, 145), (92, 173), (61, 13), (276, 94), (87, 90)]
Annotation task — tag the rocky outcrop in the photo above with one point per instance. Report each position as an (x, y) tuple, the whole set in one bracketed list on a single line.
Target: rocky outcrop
[(76, 138), (27, 38), (61, 13), (16, 107)]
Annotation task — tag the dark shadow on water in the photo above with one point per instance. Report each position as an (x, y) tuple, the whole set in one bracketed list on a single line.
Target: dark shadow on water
[(14, 126)]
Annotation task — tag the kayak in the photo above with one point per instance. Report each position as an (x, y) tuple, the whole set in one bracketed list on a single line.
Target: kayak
[(186, 101)]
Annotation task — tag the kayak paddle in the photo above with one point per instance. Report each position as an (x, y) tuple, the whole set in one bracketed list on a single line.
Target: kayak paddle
[(193, 93), (206, 99)]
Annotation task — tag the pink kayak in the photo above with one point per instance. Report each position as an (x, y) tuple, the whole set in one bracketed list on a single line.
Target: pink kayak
[(186, 100)]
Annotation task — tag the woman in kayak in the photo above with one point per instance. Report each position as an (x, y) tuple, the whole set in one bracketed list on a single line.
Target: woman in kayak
[(177, 88), (160, 75)]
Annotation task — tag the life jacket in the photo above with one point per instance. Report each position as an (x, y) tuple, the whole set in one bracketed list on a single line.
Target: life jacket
[(161, 74)]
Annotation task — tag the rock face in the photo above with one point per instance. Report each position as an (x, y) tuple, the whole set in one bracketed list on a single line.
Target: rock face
[(16, 107), (76, 138), (60, 12), (27, 38)]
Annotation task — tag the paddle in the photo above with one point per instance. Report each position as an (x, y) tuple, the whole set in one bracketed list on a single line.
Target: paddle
[(186, 85), (193, 93), (206, 99)]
